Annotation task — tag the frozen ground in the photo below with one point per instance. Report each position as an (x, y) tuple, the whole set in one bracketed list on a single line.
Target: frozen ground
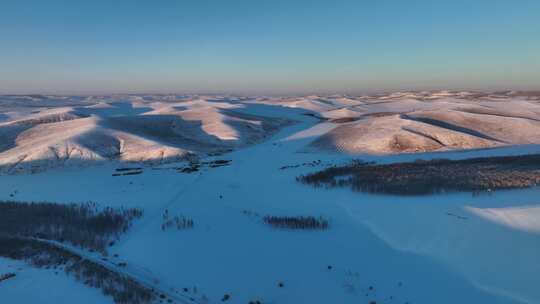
[(432, 249)]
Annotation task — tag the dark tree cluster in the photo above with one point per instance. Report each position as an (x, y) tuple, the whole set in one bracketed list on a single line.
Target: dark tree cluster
[(83, 225), (307, 164), (297, 222), (191, 168), (124, 169), (433, 176), (6, 276), (122, 289), (128, 171), (196, 166)]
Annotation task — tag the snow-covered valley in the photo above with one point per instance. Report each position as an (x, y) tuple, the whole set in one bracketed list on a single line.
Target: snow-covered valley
[(444, 248)]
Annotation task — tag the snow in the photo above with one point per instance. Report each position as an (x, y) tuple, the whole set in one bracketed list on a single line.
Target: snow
[(453, 248), (313, 132), (524, 218), (489, 254)]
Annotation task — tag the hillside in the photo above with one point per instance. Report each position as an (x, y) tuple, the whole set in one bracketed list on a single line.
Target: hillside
[(131, 130)]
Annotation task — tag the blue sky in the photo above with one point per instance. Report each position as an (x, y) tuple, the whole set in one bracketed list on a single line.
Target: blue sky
[(240, 46)]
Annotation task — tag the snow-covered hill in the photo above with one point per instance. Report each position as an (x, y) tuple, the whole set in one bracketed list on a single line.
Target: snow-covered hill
[(424, 121), (42, 132), (123, 129)]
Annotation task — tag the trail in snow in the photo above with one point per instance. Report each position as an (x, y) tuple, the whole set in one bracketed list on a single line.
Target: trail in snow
[(142, 278)]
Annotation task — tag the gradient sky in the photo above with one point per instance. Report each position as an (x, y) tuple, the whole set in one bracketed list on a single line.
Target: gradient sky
[(271, 46)]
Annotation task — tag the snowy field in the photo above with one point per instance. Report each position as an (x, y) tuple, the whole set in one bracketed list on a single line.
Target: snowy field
[(451, 248)]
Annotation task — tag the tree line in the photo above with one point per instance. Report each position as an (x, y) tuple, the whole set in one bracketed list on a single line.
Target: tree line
[(432, 176)]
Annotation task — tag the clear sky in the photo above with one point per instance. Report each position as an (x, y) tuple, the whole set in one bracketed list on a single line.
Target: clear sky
[(270, 46)]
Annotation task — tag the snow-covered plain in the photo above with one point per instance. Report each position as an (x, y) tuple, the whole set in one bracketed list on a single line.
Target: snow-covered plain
[(454, 248)]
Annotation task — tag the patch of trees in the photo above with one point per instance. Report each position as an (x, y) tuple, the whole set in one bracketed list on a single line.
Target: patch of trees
[(178, 222), (41, 254), (191, 168), (297, 222), (83, 225), (308, 164), (196, 166), (217, 163), (433, 176), (123, 169), (220, 162)]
